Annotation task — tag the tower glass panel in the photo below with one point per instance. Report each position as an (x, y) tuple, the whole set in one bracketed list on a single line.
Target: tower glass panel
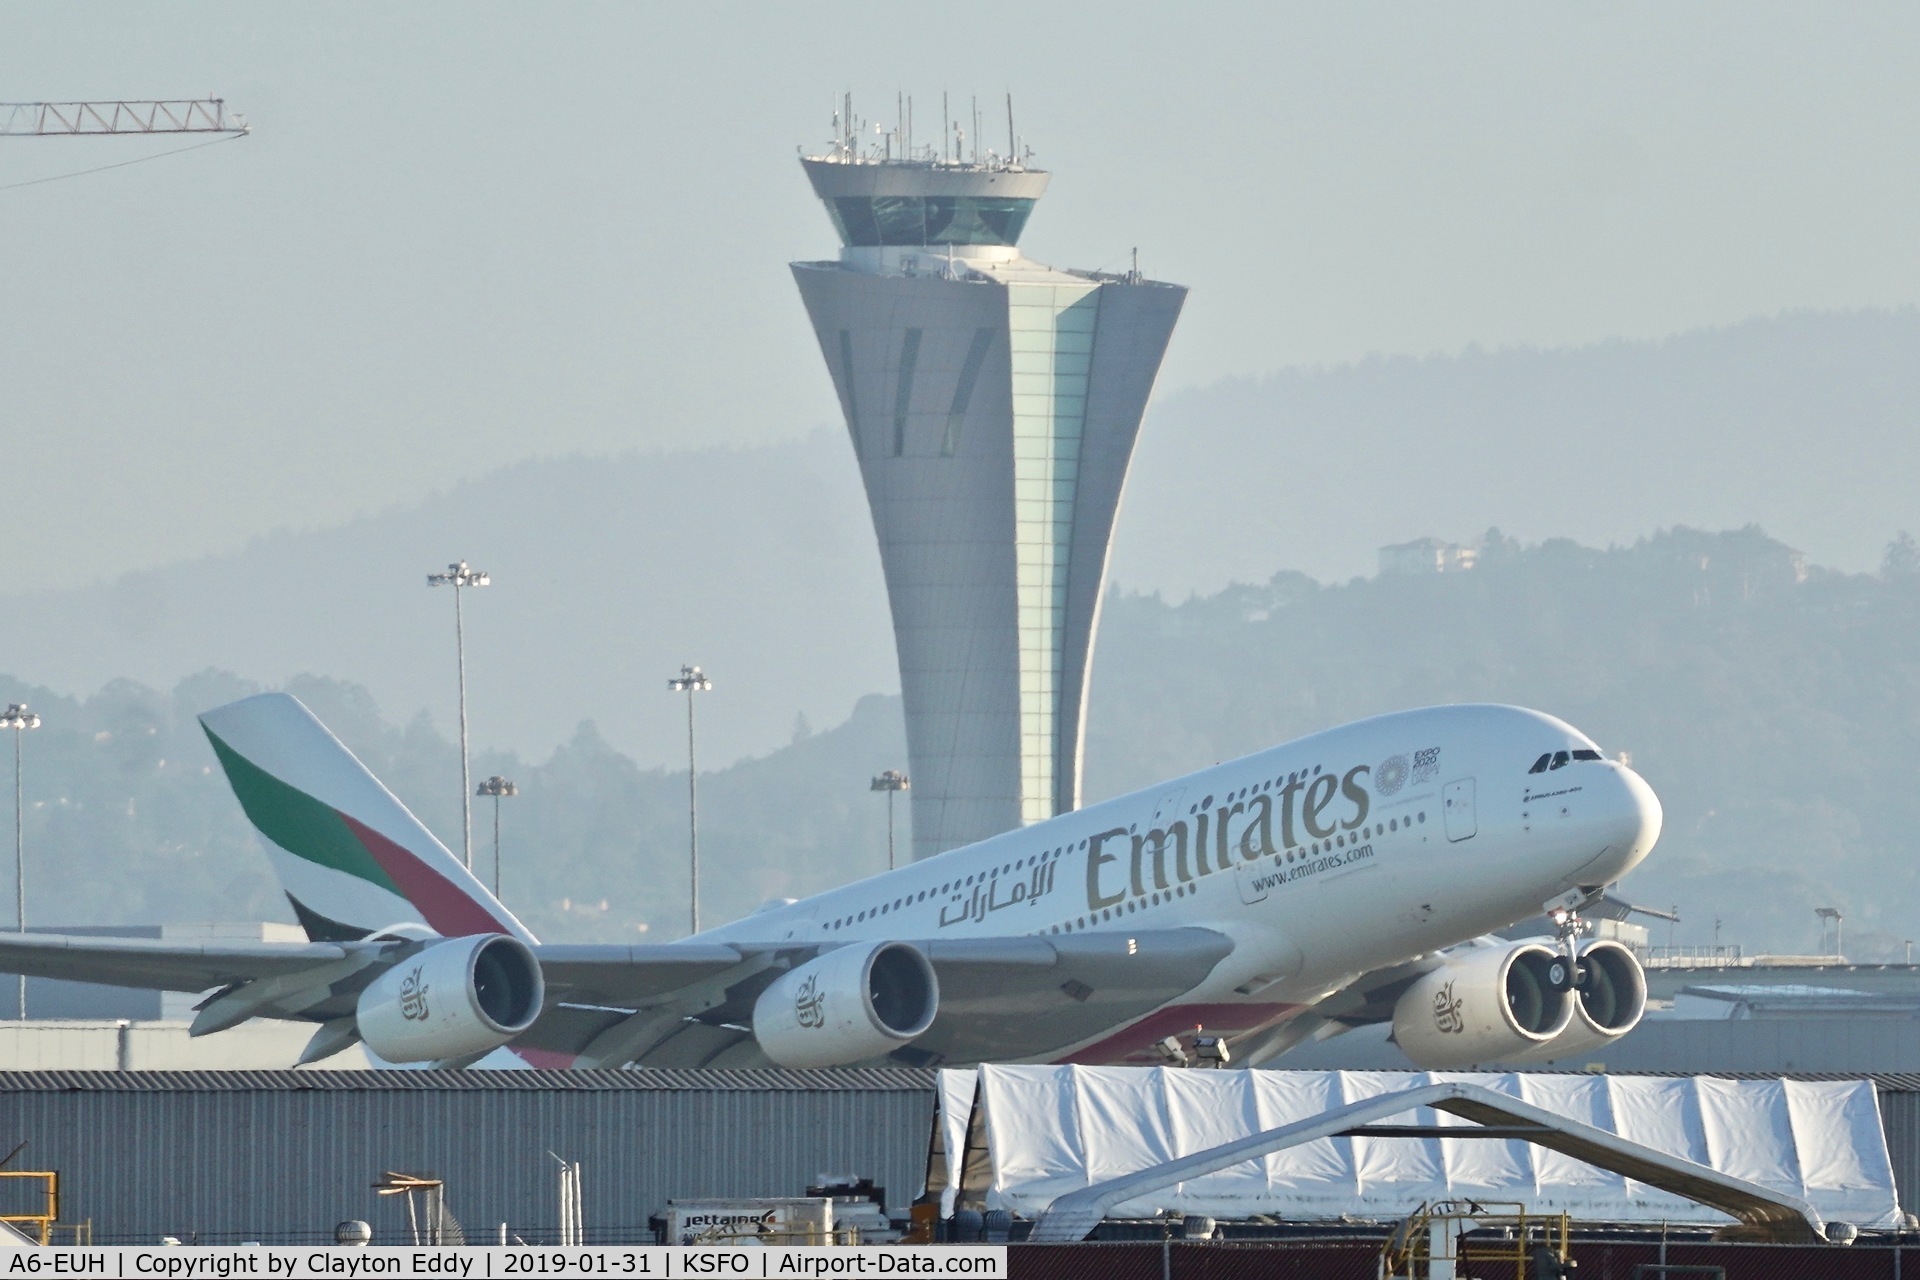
[(938, 220), (1050, 331)]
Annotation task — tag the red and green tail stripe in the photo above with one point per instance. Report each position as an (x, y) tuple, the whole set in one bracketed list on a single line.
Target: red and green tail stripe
[(320, 834)]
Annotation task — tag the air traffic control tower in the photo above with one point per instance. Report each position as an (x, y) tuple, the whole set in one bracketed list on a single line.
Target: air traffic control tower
[(993, 404)]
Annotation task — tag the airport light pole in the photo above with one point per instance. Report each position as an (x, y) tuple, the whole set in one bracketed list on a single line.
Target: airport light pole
[(690, 681), (496, 786), (892, 782), (19, 719), (458, 576), (1839, 922)]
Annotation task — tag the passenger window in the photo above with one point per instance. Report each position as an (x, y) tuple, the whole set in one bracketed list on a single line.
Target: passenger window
[(1540, 765), (1586, 755), (1559, 760)]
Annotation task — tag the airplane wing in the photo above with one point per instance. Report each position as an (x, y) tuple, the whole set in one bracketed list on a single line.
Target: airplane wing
[(1360, 1001), (151, 964), (1010, 997), (675, 1004)]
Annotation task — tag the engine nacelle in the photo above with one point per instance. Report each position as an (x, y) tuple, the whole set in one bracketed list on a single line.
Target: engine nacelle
[(452, 999), (1612, 994), (1488, 1005), (850, 1004)]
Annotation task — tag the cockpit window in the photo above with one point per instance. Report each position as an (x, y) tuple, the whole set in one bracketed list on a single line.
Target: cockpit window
[(1560, 759)]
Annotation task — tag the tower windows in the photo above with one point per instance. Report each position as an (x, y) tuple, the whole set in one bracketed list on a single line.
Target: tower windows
[(903, 390), (963, 390), (852, 405)]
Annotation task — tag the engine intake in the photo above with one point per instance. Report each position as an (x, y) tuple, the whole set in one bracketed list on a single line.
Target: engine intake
[(1612, 994), (452, 999), (1488, 1005), (848, 1005)]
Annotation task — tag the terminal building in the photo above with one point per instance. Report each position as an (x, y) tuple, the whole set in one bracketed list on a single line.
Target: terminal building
[(993, 404)]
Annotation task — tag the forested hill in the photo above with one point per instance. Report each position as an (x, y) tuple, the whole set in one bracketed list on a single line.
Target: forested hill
[(1773, 705)]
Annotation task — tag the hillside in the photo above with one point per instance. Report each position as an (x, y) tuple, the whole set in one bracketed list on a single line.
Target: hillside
[(1774, 706), (759, 563)]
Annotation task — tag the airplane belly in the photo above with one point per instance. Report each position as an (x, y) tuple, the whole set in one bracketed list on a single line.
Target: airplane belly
[(1137, 1043)]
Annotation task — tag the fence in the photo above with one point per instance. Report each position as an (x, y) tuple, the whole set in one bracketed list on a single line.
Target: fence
[(1359, 1260)]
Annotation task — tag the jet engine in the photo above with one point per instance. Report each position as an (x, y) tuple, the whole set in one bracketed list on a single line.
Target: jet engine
[(452, 999), (847, 1005), (1487, 1005), (1611, 991)]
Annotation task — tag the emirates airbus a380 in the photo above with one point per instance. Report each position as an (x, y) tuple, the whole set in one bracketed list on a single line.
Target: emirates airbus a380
[(1345, 878)]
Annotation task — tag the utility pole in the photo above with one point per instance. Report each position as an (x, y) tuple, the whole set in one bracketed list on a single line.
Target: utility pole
[(19, 719), (690, 681), (893, 781), (458, 576)]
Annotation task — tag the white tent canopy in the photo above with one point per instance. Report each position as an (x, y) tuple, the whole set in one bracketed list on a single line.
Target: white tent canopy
[(1052, 1130)]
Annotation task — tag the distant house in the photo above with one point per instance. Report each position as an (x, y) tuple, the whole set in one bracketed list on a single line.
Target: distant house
[(1427, 555)]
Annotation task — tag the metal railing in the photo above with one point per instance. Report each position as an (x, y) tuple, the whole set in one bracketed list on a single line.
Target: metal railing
[(41, 1223), (1466, 1237), (1696, 957)]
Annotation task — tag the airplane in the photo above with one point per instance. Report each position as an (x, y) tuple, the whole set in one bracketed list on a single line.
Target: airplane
[(1349, 877)]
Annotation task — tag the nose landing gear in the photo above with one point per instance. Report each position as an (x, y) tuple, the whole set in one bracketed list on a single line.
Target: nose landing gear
[(1564, 974)]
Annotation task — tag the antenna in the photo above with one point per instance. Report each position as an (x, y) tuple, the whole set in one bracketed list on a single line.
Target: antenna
[(1012, 155), (946, 131), (976, 130)]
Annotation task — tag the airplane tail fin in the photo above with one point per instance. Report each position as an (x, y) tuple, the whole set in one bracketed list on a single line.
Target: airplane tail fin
[(351, 858)]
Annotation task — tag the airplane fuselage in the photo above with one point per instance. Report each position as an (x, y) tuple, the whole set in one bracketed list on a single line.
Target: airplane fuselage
[(1330, 856)]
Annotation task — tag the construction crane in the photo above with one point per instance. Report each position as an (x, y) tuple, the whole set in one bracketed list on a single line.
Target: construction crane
[(112, 119)]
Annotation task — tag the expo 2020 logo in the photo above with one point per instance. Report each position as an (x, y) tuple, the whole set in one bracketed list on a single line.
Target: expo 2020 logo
[(1391, 775)]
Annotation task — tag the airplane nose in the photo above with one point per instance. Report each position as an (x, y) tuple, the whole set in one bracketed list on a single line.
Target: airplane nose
[(1623, 820), (1634, 816)]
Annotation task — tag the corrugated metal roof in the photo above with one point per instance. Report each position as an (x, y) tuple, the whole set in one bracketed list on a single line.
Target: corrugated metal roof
[(759, 1079)]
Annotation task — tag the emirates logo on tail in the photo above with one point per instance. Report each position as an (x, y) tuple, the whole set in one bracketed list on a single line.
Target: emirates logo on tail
[(413, 996), (809, 1006)]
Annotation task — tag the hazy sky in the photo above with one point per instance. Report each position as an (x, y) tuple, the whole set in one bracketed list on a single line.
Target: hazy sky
[(465, 234)]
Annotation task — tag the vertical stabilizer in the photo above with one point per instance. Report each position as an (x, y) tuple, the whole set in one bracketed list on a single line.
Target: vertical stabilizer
[(351, 858)]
